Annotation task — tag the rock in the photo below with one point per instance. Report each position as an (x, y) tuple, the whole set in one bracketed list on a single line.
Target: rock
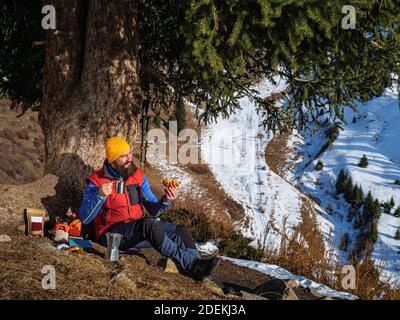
[(292, 283), (122, 279), (5, 238), (250, 296), (290, 295), (314, 293), (276, 289), (209, 284), (326, 298), (231, 291), (170, 267)]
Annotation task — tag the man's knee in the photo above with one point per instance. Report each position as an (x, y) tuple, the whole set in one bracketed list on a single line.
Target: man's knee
[(153, 232), (181, 229), (148, 222), (184, 234)]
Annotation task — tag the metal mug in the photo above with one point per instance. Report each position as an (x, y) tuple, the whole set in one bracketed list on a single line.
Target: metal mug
[(120, 186)]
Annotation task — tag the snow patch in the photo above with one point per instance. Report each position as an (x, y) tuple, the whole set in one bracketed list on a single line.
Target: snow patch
[(283, 274)]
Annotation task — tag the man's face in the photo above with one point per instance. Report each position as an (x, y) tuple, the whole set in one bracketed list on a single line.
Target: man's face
[(124, 161)]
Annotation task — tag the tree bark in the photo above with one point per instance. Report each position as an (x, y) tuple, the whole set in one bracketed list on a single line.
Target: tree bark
[(91, 87)]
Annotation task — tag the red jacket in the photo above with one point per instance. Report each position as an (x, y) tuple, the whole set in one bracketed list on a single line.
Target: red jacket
[(118, 208)]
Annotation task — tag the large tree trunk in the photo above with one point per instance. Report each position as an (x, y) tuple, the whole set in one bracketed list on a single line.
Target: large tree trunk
[(91, 86)]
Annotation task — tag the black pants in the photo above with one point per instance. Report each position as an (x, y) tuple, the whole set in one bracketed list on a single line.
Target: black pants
[(151, 230)]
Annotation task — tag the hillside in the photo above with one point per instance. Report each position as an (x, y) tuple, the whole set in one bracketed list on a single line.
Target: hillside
[(263, 185), (374, 132), (134, 276), (274, 187), (21, 146)]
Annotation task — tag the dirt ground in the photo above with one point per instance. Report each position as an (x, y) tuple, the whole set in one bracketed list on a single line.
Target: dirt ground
[(21, 146), (89, 275)]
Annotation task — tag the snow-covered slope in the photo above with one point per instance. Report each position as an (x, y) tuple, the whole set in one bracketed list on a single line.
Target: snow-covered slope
[(376, 133), (234, 149)]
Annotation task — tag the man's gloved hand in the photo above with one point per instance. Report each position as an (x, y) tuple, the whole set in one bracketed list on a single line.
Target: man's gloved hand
[(105, 189)]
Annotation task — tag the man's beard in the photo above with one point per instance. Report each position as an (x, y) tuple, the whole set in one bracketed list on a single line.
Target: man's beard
[(126, 172)]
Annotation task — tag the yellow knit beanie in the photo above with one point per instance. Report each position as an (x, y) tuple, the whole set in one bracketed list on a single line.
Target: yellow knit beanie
[(115, 147)]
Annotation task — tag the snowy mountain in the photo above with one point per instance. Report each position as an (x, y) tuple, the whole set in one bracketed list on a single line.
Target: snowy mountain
[(234, 150), (375, 133), (273, 200)]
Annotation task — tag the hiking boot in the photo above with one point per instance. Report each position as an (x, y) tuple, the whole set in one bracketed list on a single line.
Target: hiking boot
[(202, 268)]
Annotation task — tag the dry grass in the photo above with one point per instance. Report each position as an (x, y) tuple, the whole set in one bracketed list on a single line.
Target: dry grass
[(88, 276), (191, 213), (303, 253), (203, 228), (276, 154), (199, 168)]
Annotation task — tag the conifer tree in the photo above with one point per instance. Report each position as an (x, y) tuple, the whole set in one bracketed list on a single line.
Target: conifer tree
[(387, 207), (373, 231), (363, 163), (397, 212), (368, 208), (107, 57), (348, 193), (180, 113), (377, 209), (352, 214), (341, 181), (391, 203), (319, 165), (157, 119), (358, 196)]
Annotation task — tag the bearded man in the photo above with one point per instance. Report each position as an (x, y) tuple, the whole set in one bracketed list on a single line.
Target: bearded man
[(114, 200)]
